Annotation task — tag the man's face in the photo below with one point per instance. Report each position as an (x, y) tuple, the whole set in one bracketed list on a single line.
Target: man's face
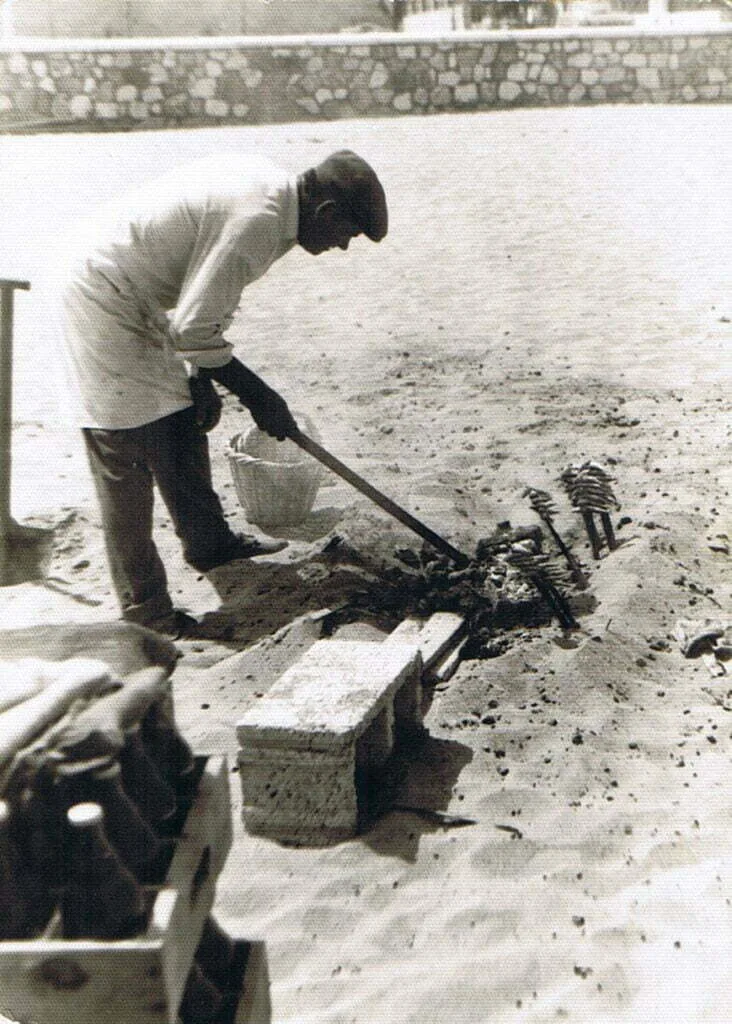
[(327, 228)]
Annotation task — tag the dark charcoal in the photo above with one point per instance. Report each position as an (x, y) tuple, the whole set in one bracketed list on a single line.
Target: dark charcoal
[(495, 593)]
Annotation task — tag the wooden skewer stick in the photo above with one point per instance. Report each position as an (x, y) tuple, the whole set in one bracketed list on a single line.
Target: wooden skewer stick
[(579, 577), (592, 533), (607, 526), (557, 602)]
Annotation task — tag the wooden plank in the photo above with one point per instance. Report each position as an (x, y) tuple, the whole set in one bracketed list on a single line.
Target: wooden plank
[(434, 637), (444, 669), (47, 981), (198, 860)]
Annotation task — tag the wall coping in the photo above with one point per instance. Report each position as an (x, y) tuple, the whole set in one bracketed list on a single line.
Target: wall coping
[(41, 44)]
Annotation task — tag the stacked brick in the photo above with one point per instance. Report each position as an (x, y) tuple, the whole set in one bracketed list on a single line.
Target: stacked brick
[(247, 81)]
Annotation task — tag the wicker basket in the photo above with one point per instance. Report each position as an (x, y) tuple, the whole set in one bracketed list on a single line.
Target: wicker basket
[(276, 482)]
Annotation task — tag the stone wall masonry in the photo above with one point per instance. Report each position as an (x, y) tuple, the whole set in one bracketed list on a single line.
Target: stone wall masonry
[(92, 84)]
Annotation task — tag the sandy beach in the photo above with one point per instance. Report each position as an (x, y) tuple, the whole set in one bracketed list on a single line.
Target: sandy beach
[(554, 288)]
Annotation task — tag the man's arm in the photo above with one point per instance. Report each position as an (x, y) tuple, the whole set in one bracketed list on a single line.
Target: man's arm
[(223, 263), (269, 410)]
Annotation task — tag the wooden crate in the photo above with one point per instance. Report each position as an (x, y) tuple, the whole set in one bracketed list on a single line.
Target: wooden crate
[(132, 981)]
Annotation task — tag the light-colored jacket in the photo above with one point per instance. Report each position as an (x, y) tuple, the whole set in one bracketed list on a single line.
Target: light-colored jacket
[(152, 282)]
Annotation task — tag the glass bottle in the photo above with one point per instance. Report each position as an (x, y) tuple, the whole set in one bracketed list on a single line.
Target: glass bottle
[(15, 910), (38, 827), (143, 783), (134, 840), (170, 752), (101, 899)]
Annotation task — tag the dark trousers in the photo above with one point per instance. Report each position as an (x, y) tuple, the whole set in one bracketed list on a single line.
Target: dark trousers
[(171, 453)]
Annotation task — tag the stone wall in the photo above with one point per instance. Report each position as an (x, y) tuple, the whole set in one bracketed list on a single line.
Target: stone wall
[(123, 83)]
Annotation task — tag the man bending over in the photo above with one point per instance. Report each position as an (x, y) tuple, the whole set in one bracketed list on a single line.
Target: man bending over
[(152, 288)]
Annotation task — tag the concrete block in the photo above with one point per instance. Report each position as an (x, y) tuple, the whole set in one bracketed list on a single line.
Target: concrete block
[(374, 747), (447, 667), (332, 717), (296, 796), (330, 695)]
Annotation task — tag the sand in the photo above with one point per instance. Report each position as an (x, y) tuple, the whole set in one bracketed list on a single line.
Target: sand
[(552, 290)]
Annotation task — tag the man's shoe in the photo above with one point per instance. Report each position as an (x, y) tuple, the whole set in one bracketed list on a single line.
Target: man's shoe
[(178, 625), (245, 546)]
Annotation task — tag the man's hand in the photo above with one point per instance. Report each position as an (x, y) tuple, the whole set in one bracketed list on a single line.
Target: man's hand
[(271, 414), (269, 409), (206, 401)]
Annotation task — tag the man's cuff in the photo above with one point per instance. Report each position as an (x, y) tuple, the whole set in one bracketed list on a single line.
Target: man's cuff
[(207, 358)]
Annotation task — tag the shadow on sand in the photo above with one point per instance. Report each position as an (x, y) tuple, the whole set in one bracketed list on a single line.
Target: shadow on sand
[(410, 796)]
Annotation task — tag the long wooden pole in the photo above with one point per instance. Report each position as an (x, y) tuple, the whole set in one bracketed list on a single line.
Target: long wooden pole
[(404, 517), (7, 287)]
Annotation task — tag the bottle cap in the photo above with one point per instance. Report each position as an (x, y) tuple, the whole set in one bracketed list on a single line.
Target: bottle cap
[(85, 814)]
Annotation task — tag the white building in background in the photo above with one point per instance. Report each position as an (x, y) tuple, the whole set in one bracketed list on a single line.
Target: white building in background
[(108, 18)]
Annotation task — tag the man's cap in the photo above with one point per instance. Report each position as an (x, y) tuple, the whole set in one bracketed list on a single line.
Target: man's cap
[(355, 185)]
